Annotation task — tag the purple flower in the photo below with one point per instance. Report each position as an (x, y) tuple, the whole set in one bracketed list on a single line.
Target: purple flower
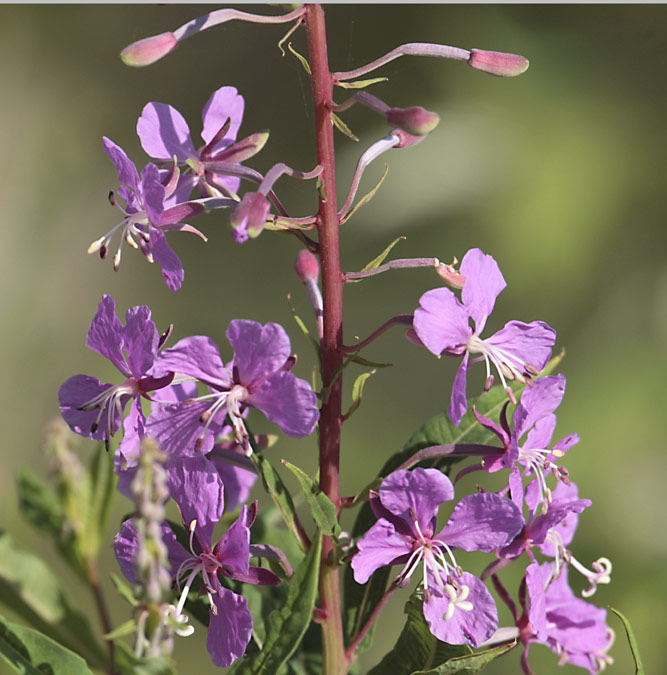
[(165, 134), (442, 324), (94, 409), (535, 417), (571, 627), (457, 606), (552, 531), (148, 214), (258, 376), (201, 503), (235, 469)]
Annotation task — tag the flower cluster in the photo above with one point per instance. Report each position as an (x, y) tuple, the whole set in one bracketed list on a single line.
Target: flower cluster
[(457, 605), (204, 441), (191, 403)]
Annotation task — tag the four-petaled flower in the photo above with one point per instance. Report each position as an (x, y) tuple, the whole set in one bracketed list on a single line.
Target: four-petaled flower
[(150, 211), (201, 503), (457, 606), (535, 417), (442, 323), (94, 409), (574, 629), (165, 134), (258, 376)]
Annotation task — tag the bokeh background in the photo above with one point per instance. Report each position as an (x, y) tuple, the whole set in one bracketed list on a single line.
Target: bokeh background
[(560, 174)]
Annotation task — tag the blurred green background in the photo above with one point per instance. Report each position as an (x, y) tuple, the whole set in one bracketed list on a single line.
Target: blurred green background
[(559, 174)]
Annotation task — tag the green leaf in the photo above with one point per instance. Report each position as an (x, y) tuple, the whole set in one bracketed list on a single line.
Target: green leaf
[(470, 664), (299, 322), (302, 59), (357, 392), (124, 629), (377, 261), (361, 84), (129, 664), (124, 589), (321, 507), (276, 489), (30, 589), (102, 482), (416, 647), (29, 652), (634, 647), (38, 503), (342, 127), (365, 199), (287, 626)]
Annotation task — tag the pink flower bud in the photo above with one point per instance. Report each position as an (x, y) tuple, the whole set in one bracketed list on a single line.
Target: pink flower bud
[(416, 120), (249, 216), (306, 266), (498, 63), (149, 50)]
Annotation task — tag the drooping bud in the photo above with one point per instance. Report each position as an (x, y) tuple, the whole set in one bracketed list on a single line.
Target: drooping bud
[(416, 120), (249, 216), (306, 266), (498, 63), (451, 275), (149, 50)]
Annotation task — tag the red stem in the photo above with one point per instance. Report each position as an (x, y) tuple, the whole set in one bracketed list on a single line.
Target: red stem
[(332, 357)]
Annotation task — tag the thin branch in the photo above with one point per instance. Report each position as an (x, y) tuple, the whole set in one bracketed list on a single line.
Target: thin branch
[(400, 264), (400, 319)]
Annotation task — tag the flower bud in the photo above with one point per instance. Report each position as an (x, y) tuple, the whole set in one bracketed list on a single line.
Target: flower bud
[(307, 267), (416, 120), (250, 215), (498, 63), (149, 50)]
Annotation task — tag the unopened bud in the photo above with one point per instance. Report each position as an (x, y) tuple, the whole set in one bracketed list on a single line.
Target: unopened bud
[(149, 50), (307, 267), (498, 63), (250, 215), (416, 120)]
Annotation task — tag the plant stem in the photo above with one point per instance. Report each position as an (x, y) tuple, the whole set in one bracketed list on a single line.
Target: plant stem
[(332, 357), (94, 583)]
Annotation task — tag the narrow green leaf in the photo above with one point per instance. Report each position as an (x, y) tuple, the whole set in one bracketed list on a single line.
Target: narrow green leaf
[(128, 664), (287, 626), (342, 127), (378, 260), (102, 481), (357, 392), (361, 84), (321, 507), (470, 664), (416, 647), (276, 489), (124, 629), (302, 59), (304, 329), (124, 589), (30, 589), (634, 647), (365, 199), (29, 652)]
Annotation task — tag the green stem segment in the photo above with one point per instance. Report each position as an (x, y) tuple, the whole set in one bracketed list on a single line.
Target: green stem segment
[(332, 355)]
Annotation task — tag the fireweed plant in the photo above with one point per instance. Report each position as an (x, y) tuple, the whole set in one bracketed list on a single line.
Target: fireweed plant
[(177, 428)]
